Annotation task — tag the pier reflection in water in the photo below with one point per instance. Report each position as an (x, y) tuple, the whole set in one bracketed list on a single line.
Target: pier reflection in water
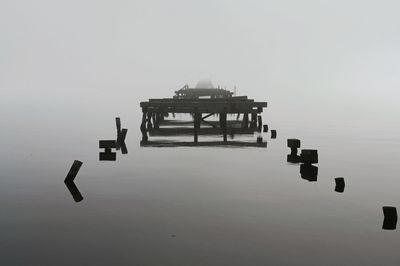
[(202, 144), (176, 133)]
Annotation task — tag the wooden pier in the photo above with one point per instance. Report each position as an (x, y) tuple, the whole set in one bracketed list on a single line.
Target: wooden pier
[(201, 103)]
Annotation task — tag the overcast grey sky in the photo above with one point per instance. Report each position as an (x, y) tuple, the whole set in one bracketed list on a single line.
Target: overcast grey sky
[(335, 52)]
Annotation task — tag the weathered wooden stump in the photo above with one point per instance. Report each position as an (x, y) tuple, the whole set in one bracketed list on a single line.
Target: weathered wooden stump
[(293, 144), (309, 156), (293, 158), (339, 184), (107, 145), (121, 141), (273, 134), (118, 124), (69, 181), (121, 136), (73, 171), (76, 194), (309, 172), (390, 218)]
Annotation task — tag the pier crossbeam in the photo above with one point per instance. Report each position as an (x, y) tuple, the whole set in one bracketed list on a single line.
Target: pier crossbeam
[(230, 107)]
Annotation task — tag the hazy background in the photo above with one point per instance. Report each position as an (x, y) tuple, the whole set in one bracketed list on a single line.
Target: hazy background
[(335, 55)]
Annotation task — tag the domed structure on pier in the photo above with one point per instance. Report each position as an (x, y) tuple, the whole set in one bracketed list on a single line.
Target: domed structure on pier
[(204, 84)]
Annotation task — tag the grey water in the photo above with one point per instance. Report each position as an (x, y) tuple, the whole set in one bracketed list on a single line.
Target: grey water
[(193, 205)]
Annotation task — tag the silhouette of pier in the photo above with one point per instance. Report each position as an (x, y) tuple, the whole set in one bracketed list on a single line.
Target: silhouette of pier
[(201, 103)]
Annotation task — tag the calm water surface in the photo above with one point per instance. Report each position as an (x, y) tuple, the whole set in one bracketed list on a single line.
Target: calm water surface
[(193, 206)]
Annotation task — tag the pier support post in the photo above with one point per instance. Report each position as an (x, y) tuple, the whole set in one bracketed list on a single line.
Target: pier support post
[(222, 121), (161, 116), (143, 125), (158, 118), (155, 120), (253, 123), (196, 124), (149, 124), (200, 115), (245, 122), (259, 123)]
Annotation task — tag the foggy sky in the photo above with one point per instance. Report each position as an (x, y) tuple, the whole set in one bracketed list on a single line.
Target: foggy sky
[(336, 53)]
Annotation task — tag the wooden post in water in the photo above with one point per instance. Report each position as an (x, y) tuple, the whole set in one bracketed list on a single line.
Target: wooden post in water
[(143, 125), (118, 124), (73, 171)]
